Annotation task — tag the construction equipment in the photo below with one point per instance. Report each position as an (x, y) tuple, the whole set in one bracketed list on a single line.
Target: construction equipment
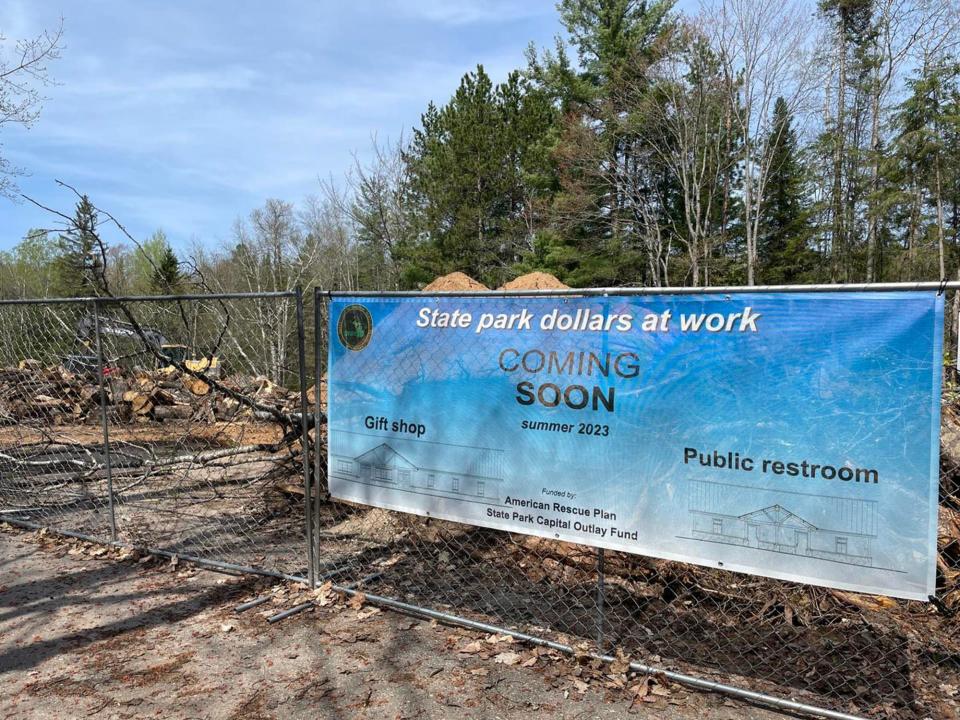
[(168, 355)]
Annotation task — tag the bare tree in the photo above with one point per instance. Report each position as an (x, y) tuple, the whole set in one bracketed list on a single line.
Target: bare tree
[(935, 39), (688, 112), (327, 223), (763, 48), (23, 71), (381, 208), (901, 25), (268, 254)]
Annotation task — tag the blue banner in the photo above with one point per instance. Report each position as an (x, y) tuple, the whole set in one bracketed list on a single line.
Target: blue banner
[(789, 435)]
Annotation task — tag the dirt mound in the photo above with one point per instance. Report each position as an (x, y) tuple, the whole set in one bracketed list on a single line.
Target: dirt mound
[(454, 281), (535, 281)]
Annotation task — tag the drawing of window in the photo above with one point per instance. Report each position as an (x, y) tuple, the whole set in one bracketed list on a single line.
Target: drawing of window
[(344, 465), (841, 546), (480, 488), (404, 476), (382, 473), (431, 480), (717, 526), (455, 485)]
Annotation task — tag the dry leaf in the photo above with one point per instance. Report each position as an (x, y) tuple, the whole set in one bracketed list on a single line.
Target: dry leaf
[(474, 647), (507, 658), (324, 594), (640, 690), (620, 664), (226, 627), (357, 601)]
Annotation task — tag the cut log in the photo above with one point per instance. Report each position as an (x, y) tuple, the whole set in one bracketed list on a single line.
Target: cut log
[(196, 386), (141, 404), (159, 396), (864, 602), (173, 412)]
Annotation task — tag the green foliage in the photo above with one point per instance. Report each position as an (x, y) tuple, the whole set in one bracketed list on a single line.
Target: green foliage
[(783, 247), (28, 269), (166, 278), (477, 166), (79, 267), (627, 154)]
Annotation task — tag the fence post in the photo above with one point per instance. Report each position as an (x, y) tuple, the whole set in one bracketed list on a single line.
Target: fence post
[(600, 601), (105, 423), (318, 327), (305, 438)]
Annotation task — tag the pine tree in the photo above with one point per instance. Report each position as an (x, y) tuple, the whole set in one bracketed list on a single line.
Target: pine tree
[(854, 56), (166, 278), (783, 247), (926, 124), (474, 166), (595, 238), (79, 265)]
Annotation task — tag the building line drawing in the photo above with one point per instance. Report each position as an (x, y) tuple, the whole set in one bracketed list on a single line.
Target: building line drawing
[(461, 472), (844, 531)]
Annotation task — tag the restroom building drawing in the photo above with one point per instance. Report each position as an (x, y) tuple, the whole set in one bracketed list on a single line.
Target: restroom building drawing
[(423, 467), (830, 528)]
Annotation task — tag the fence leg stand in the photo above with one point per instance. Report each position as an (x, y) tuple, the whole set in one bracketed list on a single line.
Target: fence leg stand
[(104, 420), (305, 442), (600, 601), (320, 313)]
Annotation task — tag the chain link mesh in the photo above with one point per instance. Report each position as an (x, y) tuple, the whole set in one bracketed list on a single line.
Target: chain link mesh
[(52, 451), (848, 652), (201, 402), (199, 409)]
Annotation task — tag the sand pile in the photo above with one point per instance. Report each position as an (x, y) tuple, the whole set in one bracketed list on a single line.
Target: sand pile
[(455, 281), (535, 281)]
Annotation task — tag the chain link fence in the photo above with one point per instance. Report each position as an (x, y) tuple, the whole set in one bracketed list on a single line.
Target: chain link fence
[(844, 652), (169, 424), (177, 425)]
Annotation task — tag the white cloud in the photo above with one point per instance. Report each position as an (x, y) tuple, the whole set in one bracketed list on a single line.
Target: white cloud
[(184, 116), (469, 12)]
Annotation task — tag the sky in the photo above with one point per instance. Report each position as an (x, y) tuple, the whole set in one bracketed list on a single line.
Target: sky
[(185, 116)]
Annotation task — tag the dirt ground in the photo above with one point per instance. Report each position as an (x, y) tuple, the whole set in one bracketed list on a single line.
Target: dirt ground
[(87, 631)]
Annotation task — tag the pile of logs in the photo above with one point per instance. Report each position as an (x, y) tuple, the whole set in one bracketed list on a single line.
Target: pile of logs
[(31, 393)]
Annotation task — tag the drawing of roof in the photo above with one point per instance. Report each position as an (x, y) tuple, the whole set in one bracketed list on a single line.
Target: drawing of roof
[(383, 456), (777, 515), (419, 454), (823, 512)]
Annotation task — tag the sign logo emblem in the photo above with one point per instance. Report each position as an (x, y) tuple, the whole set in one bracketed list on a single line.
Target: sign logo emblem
[(355, 327)]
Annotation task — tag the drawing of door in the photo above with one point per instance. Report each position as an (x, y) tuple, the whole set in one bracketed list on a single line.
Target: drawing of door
[(786, 537), (803, 542)]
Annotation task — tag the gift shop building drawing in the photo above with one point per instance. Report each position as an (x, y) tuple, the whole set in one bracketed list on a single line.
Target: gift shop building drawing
[(425, 468)]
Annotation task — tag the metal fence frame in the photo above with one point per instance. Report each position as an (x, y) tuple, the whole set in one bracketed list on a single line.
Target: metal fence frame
[(602, 652), (313, 471), (95, 305)]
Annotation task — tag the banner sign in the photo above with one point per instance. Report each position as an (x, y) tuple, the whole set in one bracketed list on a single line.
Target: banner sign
[(789, 435)]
